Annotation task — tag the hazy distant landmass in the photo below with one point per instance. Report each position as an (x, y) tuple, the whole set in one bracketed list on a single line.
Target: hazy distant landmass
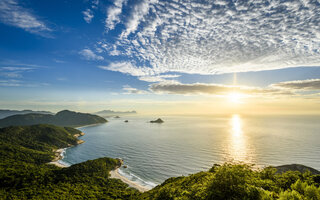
[(62, 118), (7, 113), (106, 113)]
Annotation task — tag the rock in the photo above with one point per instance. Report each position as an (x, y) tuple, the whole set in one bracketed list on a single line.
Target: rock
[(80, 141), (125, 166), (157, 121), (126, 121), (296, 167), (116, 117), (120, 162)]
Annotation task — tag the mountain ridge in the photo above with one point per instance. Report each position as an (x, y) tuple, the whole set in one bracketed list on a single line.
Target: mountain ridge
[(62, 118)]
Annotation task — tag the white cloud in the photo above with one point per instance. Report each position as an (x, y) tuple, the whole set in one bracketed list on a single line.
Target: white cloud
[(90, 55), (139, 11), (113, 14), (158, 78), (13, 14), (130, 90), (230, 36), (128, 68), (88, 15)]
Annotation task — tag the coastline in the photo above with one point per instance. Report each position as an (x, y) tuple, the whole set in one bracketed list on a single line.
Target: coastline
[(89, 125), (59, 152), (57, 158), (115, 174)]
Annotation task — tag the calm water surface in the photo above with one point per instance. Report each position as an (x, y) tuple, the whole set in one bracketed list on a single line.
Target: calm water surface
[(185, 145)]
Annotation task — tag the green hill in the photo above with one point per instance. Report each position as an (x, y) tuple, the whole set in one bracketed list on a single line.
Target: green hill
[(25, 174), (62, 118)]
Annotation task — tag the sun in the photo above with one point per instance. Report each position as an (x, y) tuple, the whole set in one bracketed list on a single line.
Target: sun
[(235, 97)]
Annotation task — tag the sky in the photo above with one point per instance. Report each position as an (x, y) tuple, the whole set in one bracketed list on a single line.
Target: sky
[(179, 57)]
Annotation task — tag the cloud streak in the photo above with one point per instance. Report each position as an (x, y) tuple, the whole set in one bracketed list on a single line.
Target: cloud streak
[(14, 72), (307, 85), (13, 14), (212, 89), (130, 90)]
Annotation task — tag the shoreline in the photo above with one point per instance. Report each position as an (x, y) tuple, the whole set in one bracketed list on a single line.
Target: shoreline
[(57, 158), (115, 174), (59, 152), (89, 125)]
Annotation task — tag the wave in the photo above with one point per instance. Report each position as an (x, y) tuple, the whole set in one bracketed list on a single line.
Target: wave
[(63, 154), (137, 179)]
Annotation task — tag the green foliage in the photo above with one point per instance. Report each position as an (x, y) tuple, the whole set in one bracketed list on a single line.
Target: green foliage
[(233, 182), (237, 182)]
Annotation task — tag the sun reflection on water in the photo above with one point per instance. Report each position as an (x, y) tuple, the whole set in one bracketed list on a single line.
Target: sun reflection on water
[(238, 142), (236, 126)]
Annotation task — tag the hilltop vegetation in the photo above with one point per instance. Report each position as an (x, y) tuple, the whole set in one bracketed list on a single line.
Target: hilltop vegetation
[(238, 181), (62, 118), (24, 174)]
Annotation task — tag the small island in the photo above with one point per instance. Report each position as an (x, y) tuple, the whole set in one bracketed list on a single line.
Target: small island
[(126, 121), (157, 121)]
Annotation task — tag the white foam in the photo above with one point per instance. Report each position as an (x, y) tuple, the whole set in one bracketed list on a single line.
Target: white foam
[(62, 154), (137, 179)]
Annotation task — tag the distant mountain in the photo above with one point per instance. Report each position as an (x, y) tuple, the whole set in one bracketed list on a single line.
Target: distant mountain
[(7, 113), (105, 113), (62, 118)]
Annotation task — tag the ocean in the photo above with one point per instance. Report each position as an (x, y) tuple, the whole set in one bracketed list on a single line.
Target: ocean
[(183, 145)]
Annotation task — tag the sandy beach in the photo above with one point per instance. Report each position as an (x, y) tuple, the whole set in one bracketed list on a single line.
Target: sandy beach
[(89, 125), (115, 174), (58, 157)]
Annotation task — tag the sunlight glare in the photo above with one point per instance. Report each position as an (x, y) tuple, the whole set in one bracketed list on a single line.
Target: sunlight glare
[(235, 97), (236, 125)]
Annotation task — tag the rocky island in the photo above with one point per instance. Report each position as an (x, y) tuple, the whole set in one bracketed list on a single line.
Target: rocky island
[(157, 121)]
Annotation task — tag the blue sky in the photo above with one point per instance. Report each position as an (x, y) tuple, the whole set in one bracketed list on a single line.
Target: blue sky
[(90, 54)]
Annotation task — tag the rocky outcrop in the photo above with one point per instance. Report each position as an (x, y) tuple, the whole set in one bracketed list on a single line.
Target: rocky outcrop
[(296, 167), (157, 121)]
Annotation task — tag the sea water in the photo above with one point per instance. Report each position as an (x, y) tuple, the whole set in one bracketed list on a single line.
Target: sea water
[(183, 145)]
